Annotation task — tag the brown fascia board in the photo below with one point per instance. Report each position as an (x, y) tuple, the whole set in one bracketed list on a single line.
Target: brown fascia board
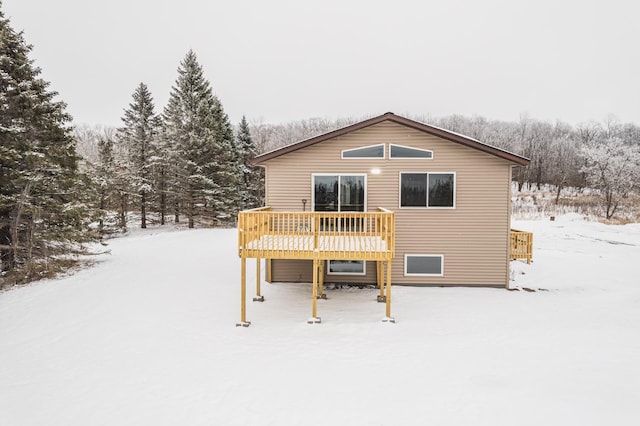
[(436, 131)]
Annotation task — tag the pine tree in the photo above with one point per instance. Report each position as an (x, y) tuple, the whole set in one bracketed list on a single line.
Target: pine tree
[(103, 181), (40, 213), (252, 184), (139, 135), (206, 167), (162, 173), (227, 169)]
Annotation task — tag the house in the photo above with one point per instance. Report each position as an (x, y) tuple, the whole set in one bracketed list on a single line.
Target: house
[(404, 203)]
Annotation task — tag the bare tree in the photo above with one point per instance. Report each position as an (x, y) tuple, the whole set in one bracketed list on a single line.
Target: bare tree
[(613, 168), (563, 169)]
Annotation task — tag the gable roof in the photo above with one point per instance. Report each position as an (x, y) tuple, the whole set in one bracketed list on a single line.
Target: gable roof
[(389, 116)]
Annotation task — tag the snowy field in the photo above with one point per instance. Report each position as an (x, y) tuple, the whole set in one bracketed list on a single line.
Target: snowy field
[(148, 337)]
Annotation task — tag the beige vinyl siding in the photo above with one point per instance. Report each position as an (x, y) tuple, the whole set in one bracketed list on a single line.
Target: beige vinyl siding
[(299, 271), (473, 236)]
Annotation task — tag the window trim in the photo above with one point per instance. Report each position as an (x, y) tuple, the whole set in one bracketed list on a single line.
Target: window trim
[(411, 274), (434, 172), (409, 158), (384, 152), (313, 188), (360, 274)]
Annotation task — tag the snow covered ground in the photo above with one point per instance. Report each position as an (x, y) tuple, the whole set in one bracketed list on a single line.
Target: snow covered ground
[(148, 337)]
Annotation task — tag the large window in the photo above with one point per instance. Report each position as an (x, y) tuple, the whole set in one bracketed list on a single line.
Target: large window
[(424, 265), (435, 190)]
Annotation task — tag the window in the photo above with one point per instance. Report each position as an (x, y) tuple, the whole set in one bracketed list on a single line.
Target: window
[(346, 267), (424, 265), (400, 151), (371, 151), (441, 190), (434, 190)]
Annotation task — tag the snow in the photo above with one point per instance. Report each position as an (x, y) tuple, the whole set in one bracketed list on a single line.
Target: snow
[(148, 337)]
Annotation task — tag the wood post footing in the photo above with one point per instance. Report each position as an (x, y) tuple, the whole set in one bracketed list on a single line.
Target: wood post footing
[(389, 319), (258, 299), (382, 299), (243, 324), (314, 320)]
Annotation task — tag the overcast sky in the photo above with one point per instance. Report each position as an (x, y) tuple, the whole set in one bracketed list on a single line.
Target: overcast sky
[(280, 60)]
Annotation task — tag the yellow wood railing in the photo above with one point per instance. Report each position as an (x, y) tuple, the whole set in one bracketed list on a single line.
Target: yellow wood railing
[(263, 233), (521, 245)]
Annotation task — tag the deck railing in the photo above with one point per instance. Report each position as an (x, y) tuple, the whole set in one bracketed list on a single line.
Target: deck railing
[(263, 233), (521, 245)]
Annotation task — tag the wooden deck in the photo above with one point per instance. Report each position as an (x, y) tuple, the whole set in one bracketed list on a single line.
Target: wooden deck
[(265, 234), (317, 236)]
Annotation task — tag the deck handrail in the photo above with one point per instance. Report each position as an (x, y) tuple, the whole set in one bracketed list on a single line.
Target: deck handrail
[(308, 235), (521, 245)]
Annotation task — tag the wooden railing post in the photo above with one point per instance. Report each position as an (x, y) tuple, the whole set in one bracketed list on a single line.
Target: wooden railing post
[(240, 233), (316, 231)]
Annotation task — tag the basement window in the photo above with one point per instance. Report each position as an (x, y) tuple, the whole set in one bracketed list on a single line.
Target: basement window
[(346, 267), (371, 151), (424, 265)]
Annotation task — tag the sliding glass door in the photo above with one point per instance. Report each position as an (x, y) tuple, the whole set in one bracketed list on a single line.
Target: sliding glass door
[(341, 193)]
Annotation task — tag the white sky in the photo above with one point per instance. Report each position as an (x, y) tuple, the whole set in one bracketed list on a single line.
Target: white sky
[(285, 60)]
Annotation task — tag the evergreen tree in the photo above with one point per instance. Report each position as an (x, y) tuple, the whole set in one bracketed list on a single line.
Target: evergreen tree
[(40, 213), (162, 173), (139, 135), (252, 184), (227, 169), (104, 181), (206, 167), (105, 174)]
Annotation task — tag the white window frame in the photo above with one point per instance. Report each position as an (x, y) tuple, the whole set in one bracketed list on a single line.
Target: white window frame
[(409, 158), (313, 187), (411, 274), (455, 190), (384, 152), (364, 268)]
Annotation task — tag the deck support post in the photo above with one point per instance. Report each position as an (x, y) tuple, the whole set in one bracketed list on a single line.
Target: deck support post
[(388, 317), (314, 303), (243, 294), (259, 297), (380, 278), (321, 294)]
